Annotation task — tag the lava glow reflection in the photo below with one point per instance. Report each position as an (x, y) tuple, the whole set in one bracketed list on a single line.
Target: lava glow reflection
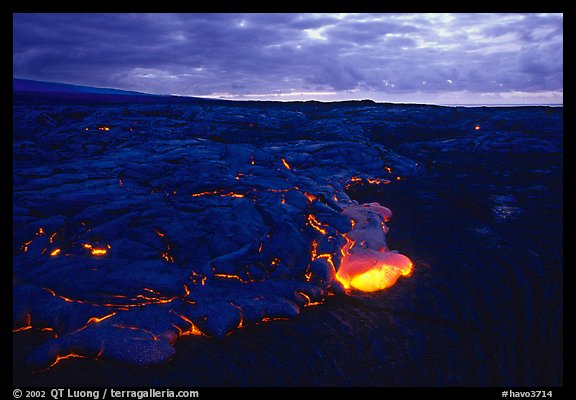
[(367, 263)]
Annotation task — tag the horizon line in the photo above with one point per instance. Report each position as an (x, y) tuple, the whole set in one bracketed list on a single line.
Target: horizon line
[(278, 99)]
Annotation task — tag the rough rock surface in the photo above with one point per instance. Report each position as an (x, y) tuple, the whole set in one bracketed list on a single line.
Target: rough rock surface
[(138, 223)]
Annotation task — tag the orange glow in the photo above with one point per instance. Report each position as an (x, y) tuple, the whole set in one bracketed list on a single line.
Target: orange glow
[(98, 252), (94, 320), (316, 225), (229, 276), (378, 181), (388, 169), (309, 301), (240, 324), (314, 249), (268, 319), (232, 194), (55, 252), (167, 257), (103, 128), (370, 266), (65, 357), (25, 327), (285, 164), (24, 246), (327, 257), (373, 271), (155, 300), (136, 301), (135, 328), (197, 278), (204, 193), (151, 291), (310, 197), (193, 328), (477, 127), (217, 192)]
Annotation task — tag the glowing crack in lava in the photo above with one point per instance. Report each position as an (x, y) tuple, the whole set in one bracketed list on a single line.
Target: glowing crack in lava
[(367, 263)]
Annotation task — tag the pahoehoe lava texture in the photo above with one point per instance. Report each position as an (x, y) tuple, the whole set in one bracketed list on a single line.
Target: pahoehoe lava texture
[(137, 223)]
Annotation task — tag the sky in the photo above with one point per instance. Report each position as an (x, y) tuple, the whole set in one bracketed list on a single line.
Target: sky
[(458, 58)]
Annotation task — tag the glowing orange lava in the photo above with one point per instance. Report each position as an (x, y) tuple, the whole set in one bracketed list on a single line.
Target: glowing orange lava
[(96, 251), (367, 263), (286, 165)]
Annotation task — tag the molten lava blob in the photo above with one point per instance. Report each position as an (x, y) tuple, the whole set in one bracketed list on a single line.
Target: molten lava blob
[(370, 270), (367, 263)]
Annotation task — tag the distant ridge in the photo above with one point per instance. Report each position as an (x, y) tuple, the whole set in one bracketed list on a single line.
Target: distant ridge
[(26, 85), (54, 92)]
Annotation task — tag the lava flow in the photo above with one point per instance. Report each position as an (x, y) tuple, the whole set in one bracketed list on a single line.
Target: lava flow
[(367, 263)]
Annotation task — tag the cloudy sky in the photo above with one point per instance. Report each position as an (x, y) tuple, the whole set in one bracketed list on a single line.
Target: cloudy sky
[(425, 58)]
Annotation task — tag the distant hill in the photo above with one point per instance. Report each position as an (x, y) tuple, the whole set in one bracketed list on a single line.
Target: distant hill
[(26, 85), (55, 92)]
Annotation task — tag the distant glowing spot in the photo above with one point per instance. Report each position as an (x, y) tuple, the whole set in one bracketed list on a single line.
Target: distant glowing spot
[(449, 81), (103, 128), (55, 252), (477, 127)]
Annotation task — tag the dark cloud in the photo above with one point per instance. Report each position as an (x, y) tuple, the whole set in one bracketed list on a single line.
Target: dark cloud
[(373, 55)]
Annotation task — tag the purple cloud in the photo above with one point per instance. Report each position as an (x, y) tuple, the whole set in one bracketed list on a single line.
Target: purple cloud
[(372, 55)]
